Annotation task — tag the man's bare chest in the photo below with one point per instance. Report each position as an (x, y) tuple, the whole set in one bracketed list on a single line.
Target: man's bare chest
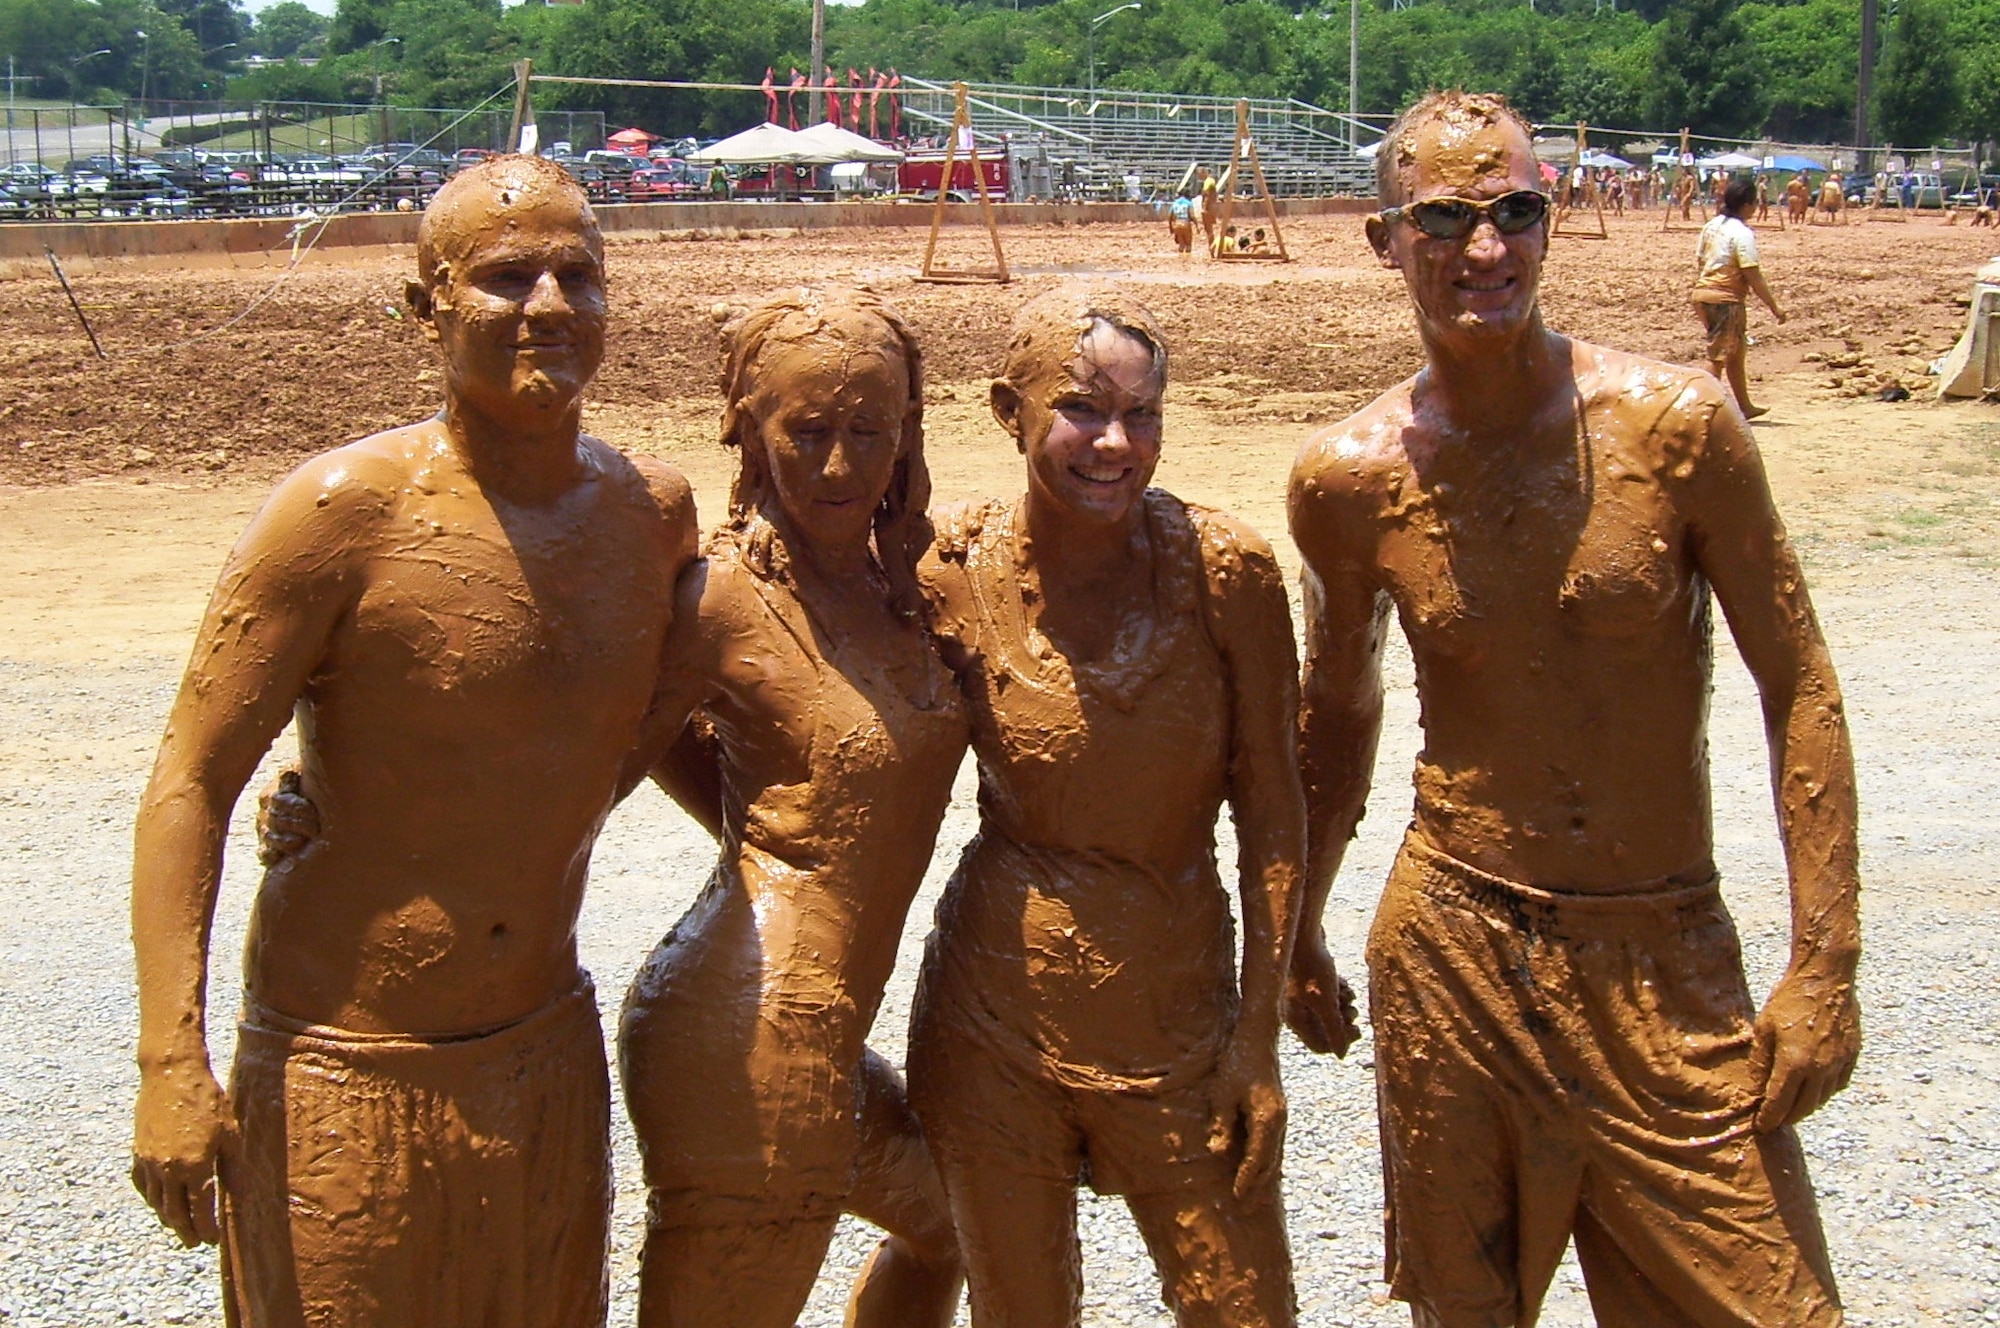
[(1597, 549)]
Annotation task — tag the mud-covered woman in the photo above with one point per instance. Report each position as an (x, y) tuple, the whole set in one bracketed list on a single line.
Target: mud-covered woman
[(1129, 666), (826, 737)]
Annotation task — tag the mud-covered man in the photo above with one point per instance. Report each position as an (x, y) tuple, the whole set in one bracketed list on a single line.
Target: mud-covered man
[(1565, 1043), (466, 617)]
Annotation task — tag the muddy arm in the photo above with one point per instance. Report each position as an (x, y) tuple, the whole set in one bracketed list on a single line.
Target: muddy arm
[(1809, 1031), (1340, 721), (1755, 276), (286, 584), (1254, 630)]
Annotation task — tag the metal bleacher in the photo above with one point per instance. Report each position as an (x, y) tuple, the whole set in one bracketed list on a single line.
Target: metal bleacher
[(1094, 139)]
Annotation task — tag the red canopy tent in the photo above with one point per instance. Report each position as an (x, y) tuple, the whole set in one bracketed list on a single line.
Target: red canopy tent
[(631, 140)]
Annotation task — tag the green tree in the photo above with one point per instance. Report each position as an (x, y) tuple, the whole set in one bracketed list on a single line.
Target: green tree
[(1707, 74), (715, 41), (1916, 85), (1812, 53), (213, 24), (288, 29)]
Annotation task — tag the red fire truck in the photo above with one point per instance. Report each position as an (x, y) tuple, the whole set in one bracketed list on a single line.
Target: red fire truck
[(921, 173)]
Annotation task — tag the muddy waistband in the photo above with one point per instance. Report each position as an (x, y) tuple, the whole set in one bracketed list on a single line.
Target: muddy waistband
[(261, 1018), (1685, 900)]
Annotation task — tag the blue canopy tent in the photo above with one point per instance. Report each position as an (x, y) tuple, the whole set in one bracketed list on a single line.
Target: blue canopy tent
[(1792, 161)]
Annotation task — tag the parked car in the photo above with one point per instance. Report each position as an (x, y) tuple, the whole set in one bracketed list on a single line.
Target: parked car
[(1926, 189), (660, 181), (1972, 197)]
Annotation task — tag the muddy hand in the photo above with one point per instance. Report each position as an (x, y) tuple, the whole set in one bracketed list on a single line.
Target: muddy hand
[(1319, 1005), (1808, 1036), (287, 820), (1249, 1102), (182, 1123)]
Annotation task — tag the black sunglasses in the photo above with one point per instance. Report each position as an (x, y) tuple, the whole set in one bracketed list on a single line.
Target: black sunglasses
[(1454, 218)]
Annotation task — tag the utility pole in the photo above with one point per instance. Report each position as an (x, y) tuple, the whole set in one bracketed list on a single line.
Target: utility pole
[(1864, 85), (1354, 72), (813, 92)]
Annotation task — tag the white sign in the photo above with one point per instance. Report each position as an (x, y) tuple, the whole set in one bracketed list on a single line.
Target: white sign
[(1687, 158)]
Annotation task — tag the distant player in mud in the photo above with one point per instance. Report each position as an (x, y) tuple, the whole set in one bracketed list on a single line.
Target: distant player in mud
[(1211, 208), (1726, 274), (1180, 220), (1685, 188), (1565, 1043), (465, 616), (1832, 201), (1798, 199)]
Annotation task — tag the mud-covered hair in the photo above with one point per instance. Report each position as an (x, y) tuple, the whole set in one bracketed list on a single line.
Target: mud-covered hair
[(1454, 104), (902, 522), (1055, 324), (507, 178)]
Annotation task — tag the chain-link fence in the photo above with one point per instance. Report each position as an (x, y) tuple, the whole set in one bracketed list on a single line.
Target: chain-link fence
[(178, 159)]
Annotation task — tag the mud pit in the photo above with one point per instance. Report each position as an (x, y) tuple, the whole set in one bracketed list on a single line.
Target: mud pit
[(1896, 509)]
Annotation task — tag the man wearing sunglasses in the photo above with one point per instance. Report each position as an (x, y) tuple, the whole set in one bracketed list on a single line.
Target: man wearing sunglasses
[(1565, 1042)]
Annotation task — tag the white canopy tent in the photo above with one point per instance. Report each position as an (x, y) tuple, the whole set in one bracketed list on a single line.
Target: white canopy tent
[(1729, 161), (767, 143), (849, 145)]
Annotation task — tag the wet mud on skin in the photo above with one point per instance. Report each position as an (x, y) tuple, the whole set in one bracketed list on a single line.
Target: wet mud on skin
[(466, 615), (1895, 510)]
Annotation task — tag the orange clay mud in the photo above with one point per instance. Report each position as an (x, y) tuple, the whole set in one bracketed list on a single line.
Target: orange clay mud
[(465, 616), (1128, 663), (1549, 521), (827, 736)]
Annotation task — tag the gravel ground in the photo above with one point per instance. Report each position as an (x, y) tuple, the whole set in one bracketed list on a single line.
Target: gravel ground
[(1898, 509), (1905, 1161)]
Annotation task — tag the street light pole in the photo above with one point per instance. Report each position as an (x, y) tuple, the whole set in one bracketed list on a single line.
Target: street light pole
[(77, 60), (382, 112), (1133, 4)]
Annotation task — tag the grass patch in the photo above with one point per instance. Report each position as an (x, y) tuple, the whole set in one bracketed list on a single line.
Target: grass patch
[(1978, 459)]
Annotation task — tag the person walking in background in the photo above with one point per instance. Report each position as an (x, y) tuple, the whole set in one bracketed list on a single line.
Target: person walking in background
[(1726, 259), (1210, 205), (1180, 221)]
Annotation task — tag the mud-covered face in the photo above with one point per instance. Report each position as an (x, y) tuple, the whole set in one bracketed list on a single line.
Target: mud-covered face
[(1090, 424), (1483, 282), (517, 304), (829, 408)]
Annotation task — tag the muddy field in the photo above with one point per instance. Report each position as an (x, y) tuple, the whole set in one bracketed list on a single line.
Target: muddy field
[(328, 355), (123, 481)]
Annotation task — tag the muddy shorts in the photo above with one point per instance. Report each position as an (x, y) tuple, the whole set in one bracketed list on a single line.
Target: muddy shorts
[(1725, 325), (1556, 1065), (397, 1180), (983, 1106), (1183, 232)]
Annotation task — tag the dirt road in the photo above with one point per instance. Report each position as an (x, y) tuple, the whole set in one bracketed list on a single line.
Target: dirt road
[(1896, 507)]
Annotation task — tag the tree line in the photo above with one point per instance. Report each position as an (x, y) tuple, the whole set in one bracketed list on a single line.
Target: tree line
[(1734, 68)]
